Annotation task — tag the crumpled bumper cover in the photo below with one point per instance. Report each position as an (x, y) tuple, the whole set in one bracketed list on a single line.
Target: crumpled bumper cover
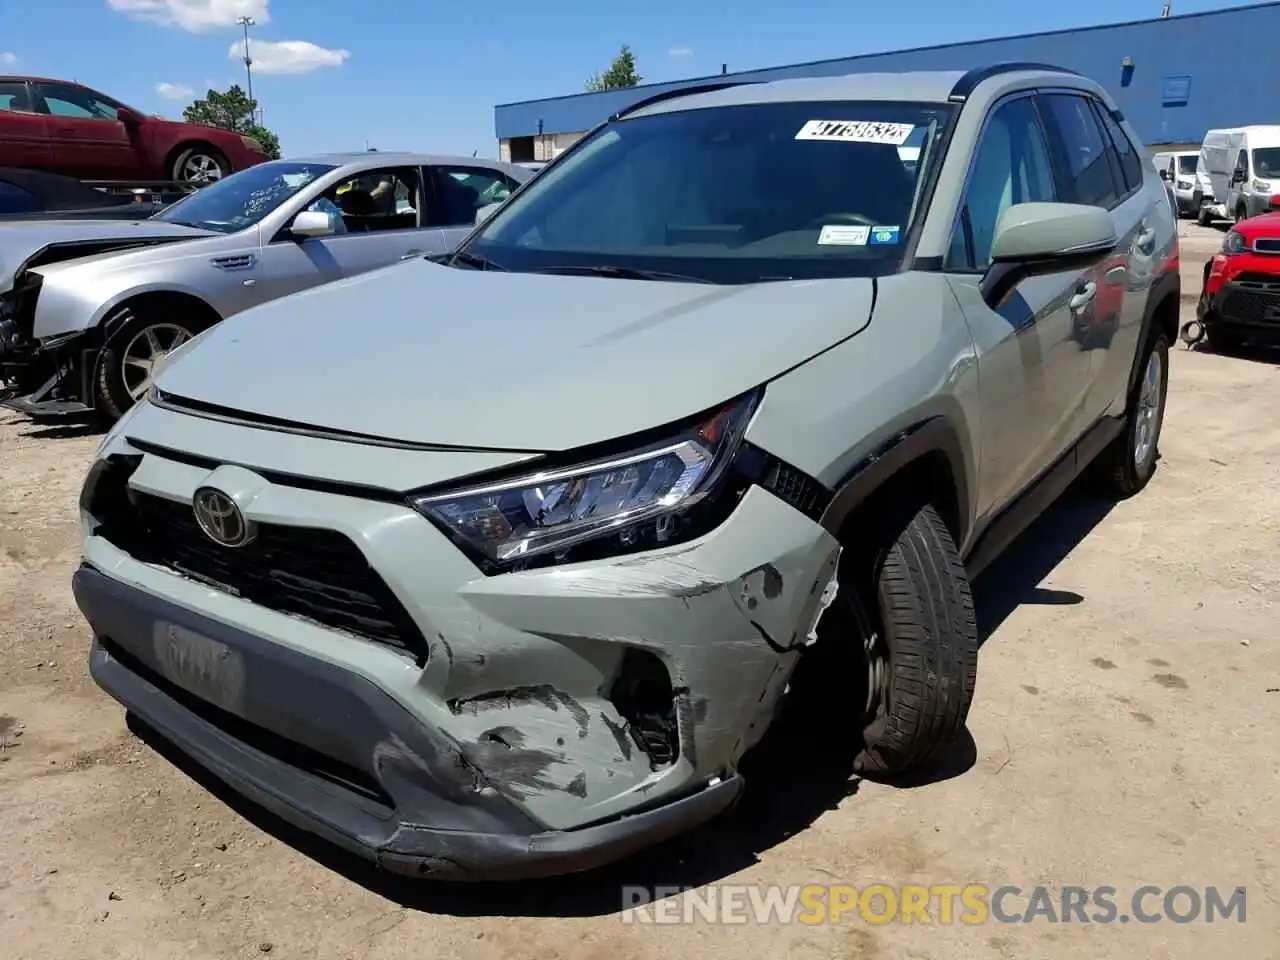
[(331, 753)]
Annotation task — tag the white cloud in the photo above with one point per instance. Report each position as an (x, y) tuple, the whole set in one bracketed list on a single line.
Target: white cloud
[(195, 16), (288, 56), (680, 52), (8, 59), (174, 91)]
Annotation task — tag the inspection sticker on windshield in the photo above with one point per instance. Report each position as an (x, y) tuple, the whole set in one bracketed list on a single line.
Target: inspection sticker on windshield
[(844, 235), (883, 235), (849, 131)]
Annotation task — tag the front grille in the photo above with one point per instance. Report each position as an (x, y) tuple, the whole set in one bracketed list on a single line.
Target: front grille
[(309, 572), (1251, 302), (1271, 245)]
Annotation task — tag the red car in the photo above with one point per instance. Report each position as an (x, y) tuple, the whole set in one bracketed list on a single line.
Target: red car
[(70, 129), (1241, 297)]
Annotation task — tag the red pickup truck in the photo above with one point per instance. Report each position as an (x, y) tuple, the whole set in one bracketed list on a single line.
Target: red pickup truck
[(71, 129), (1241, 297)]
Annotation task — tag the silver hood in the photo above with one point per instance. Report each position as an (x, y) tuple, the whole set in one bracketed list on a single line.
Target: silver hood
[(25, 241), (429, 354)]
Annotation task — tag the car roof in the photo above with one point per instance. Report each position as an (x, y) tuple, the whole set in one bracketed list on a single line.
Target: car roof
[(381, 158), (920, 86)]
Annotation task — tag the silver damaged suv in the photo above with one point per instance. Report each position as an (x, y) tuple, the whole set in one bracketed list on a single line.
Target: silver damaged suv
[(504, 579)]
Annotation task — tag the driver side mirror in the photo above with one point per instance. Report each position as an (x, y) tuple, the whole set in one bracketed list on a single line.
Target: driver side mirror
[(1164, 175), (487, 211), (1033, 239), (1238, 176), (312, 223), (130, 118)]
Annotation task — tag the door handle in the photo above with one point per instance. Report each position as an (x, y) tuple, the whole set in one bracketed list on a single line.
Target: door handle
[(410, 254), (1083, 296)]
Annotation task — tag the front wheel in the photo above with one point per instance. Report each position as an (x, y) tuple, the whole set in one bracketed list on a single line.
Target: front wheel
[(920, 646), (128, 361)]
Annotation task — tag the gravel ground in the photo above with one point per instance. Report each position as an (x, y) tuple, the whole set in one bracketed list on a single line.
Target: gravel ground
[(1125, 729)]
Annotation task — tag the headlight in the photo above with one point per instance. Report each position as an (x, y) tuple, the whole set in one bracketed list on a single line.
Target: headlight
[(653, 496), (1234, 242), (1261, 186), (252, 144), (1185, 184)]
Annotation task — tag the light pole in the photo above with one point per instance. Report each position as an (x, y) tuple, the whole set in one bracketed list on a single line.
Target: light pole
[(248, 22)]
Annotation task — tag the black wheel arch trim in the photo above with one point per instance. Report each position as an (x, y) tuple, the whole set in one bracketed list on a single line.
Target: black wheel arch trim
[(931, 437), (1167, 286)]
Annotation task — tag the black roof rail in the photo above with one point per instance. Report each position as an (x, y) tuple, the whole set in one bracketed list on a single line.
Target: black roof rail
[(679, 92), (966, 84)]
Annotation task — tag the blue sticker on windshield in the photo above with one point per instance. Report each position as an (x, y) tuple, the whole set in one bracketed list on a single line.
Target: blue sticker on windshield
[(883, 235)]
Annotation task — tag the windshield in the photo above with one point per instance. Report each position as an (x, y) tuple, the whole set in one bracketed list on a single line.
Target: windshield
[(1266, 163), (244, 198), (1187, 163), (734, 194)]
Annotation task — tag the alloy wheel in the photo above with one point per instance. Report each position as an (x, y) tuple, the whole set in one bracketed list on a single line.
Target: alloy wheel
[(1149, 413), (144, 351)]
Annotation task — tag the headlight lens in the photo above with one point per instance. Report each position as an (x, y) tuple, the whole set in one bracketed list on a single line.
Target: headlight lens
[(252, 144), (1234, 242), (637, 500)]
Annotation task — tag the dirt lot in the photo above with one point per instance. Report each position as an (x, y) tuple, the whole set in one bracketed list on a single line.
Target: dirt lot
[(1126, 729)]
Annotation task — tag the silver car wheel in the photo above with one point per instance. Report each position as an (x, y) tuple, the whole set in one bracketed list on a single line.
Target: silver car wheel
[(201, 168), (144, 351), (1150, 412)]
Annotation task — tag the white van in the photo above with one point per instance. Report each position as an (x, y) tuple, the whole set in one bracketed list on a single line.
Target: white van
[(1243, 168), (1178, 169)]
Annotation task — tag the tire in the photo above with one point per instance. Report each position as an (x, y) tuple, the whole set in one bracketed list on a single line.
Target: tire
[(922, 665), (200, 165), (1241, 214), (119, 382), (1202, 215), (1220, 341), (1131, 459)]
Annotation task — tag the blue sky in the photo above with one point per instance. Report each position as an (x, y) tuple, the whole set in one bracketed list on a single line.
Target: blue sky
[(412, 74)]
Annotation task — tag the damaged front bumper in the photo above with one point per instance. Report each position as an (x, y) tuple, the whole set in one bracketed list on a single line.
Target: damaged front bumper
[(550, 720), (278, 726)]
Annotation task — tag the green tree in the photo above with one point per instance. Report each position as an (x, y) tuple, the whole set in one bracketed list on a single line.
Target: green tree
[(621, 73), (232, 110)]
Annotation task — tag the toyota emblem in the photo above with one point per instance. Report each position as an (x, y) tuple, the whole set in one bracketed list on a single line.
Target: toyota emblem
[(220, 518)]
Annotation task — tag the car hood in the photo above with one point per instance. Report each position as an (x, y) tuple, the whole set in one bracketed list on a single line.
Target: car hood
[(24, 243), (428, 354)]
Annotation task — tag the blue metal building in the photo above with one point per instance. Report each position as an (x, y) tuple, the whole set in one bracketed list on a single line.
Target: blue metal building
[(1174, 77)]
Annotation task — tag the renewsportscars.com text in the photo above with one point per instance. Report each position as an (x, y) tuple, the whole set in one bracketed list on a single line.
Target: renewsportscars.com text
[(970, 904)]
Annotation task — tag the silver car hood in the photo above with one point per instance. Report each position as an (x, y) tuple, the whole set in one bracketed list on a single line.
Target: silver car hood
[(22, 241), (430, 354)]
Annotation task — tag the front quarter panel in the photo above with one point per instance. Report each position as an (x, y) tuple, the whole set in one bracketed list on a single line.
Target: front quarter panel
[(78, 295), (914, 364)]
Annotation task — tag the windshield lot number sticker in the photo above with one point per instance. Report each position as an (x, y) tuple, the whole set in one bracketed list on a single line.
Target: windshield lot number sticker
[(884, 235), (849, 131), (843, 235)]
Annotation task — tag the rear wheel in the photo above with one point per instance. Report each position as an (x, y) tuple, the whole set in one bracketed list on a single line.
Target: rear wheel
[(199, 166), (128, 360), (1131, 459), (1241, 213), (1202, 215)]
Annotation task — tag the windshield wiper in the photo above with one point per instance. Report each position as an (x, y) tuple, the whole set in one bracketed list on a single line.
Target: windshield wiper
[(621, 273), (471, 260)]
